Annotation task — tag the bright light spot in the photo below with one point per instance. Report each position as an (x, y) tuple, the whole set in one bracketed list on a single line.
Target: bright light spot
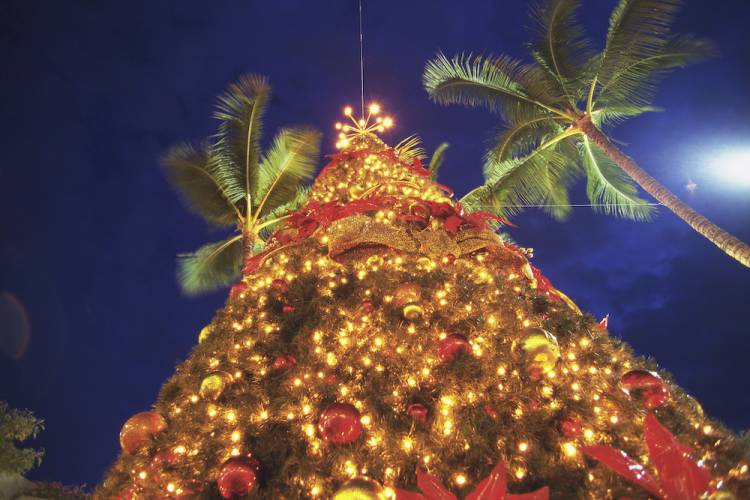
[(374, 108), (733, 165)]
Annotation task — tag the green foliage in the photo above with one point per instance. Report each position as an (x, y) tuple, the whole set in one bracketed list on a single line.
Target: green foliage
[(290, 161), (410, 148), (499, 83), (240, 111), (514, 183), (196, 175), (610, 188), (16, 426), (230, 182), (213, 265), (560, 45), (541, 150), (436, 160)]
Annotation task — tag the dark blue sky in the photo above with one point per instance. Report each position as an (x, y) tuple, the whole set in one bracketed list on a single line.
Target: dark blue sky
[(93, 92)]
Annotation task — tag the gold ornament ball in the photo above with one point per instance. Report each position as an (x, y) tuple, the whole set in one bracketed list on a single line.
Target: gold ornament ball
[(205, 333), (541, 349), (413, 311), (723, 495), (213, 385), (407, 293), (360, 488), (695, 405)]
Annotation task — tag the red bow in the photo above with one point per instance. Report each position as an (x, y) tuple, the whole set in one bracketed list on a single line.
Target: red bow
[(493, 487), (680, 478)]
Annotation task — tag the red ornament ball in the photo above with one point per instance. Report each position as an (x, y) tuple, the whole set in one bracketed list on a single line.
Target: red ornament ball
[(339, 424), (367, 306), (647, 386), (449, 259), (162, 458), (418, 412), (237, 289), (139, 429), (284, 362), (639, 379), (655, 397), (238, 476), (451, 345), (287, 309), (571, 427), (490, 412)]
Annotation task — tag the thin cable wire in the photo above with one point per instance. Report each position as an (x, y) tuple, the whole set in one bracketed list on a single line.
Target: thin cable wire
[(361, 62), (576, 205)]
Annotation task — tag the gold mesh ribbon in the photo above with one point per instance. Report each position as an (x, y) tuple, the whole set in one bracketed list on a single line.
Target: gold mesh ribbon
[(433, 241)]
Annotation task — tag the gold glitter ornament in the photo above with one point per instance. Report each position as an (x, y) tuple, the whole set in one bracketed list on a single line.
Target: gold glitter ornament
[(213, 385), (541, 349), (206, 332), (407, 293), (413, 312), (722, 495), (360, 488)]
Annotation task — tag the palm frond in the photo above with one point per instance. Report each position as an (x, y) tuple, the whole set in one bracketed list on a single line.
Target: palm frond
[(437, 159), (410, 148), (240, 111), (556, 203), (290, 160), (523, 135), (635, 82), (609, 188), (194, 173), (613, 115), (638, 30), (560, 45), (517, 183), (211, 266), (495, 82), (275, 218)]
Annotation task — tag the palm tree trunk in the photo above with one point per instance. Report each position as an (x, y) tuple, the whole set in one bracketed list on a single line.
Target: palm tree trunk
[(248, 242), (729, 244)]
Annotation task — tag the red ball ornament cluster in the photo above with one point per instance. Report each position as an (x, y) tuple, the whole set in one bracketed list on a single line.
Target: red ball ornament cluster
[(237, 289), (571, 427), (340, 424), (284, 363), (139, 430), (238, 477), (418, 412), (646, 385), (452, 345)]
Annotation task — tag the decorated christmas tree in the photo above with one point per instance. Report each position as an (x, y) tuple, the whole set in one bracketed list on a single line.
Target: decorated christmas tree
[(387, 344)]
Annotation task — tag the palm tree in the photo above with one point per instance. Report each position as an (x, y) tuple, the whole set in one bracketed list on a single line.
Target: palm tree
[(556, 110), (230, 183)]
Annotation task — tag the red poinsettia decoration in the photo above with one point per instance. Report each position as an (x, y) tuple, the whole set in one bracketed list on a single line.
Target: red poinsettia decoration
[(493, 487), (680, 477)]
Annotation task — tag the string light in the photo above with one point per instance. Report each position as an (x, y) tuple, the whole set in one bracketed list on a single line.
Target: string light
[(363, 336), (371, 123)]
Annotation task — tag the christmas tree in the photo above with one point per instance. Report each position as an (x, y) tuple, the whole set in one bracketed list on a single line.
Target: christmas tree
[(387, 344)]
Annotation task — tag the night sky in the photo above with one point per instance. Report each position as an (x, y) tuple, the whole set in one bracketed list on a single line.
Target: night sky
[(93, 92)]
